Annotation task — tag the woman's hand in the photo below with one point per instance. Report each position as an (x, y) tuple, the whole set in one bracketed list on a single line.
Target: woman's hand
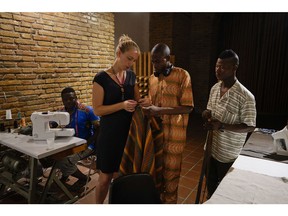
[(129, 105)]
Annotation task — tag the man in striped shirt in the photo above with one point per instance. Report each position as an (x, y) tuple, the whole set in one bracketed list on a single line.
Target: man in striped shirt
[(230, 115)]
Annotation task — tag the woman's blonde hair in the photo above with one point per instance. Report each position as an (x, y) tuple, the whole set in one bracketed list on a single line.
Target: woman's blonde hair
[(126, 43)]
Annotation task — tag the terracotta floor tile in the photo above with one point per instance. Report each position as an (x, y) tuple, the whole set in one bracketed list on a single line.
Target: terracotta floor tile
[(196, 154), (191, 198), (184, 171), (191, 159), (187, 165), (183, 191), (180, 200), (193, 174), (198, 167), (188, 182)]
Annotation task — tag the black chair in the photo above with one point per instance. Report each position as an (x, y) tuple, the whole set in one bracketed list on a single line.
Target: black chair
[(136, 188)]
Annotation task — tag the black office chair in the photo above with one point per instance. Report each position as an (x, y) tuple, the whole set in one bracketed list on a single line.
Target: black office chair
[(136, 188)]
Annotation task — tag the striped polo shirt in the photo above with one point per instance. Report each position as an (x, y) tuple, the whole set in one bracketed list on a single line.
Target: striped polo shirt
[(236, 106)]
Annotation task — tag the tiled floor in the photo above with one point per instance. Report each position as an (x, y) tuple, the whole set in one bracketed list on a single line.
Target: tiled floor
[(191, 169), (192, 161)]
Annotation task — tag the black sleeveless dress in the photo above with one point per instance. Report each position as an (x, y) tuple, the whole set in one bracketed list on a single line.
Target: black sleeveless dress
[(114, 128)]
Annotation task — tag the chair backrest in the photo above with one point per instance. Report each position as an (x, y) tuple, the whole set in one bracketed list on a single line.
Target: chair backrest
[(136, 188)]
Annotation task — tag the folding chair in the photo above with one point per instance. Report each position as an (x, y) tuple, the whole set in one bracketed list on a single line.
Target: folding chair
[(136, 188)]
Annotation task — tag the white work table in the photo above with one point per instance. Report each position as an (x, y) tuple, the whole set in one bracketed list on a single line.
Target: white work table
[(253, 180), (37, 149)]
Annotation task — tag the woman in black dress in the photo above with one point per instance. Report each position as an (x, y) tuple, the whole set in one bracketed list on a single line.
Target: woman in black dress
[(115, 97)]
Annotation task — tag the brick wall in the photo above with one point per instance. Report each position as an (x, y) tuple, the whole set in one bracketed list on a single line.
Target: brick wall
[(161, 29), (41, 53)]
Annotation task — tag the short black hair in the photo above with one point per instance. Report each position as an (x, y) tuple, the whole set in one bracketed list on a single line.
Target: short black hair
[(162, 49), (67, 90), (229, 54)]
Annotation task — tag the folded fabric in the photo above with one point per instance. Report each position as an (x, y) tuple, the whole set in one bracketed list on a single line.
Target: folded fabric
[(144, 147)]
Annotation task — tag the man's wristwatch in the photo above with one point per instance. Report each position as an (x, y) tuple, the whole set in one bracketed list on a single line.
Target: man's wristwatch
[(222, 127)]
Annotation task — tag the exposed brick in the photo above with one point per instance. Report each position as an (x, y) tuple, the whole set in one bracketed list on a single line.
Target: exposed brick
[(10, 70), (28, 59), (5, 33), (26, 77), (9, 21), (25, 53), (10, 58), (6, 15), (48, 33), (10, 82), (41, 53), (39, 48), (24, 18), (27, 14), (7, 40), (6, 27), (44, 43), (24, 29), (43, 59), (42, 38), (9, 76), (24, 41), (26, 87), (27, 64), (9, 64)]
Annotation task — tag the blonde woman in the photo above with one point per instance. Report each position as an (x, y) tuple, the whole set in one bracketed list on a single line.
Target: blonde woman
[(115, 96)]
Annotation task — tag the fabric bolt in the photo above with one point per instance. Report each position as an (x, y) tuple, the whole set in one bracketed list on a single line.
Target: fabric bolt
[(172, 91), (144, 147), (236, 106), (114, 127)]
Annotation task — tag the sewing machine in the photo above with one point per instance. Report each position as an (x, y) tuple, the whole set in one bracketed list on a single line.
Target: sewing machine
[(41, 128), (281, 141)]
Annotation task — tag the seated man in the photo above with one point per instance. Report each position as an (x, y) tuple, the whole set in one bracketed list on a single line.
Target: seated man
[(85, 124)]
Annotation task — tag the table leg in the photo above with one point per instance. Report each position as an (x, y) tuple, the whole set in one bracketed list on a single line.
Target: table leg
[(33, 181), (53, 178)]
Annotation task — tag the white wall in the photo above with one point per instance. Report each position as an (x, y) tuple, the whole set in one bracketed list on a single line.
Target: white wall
[(135, 25)]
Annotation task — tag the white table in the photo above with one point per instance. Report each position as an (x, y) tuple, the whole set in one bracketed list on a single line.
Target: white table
[(36, 150), (254, 180)]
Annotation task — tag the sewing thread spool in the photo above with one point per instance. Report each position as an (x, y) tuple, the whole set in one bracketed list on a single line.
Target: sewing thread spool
[(8, 114), (23, 122)]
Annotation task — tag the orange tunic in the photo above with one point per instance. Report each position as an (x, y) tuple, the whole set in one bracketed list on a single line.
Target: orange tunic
[(172, 91)]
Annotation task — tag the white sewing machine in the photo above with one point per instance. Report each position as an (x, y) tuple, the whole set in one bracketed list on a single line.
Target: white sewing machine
[(41, 128), (281, 141)]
